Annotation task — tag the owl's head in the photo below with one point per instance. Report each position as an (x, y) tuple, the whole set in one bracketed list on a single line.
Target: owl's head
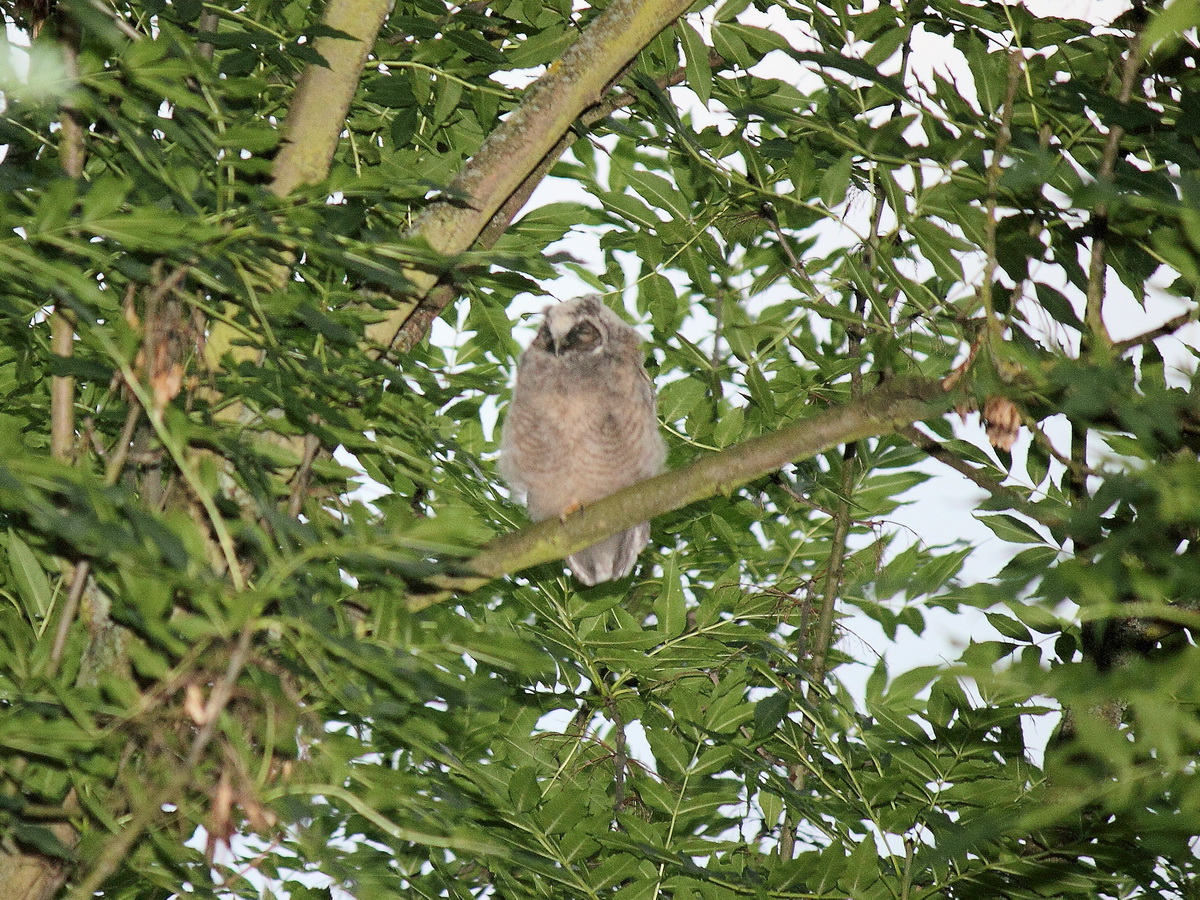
[(583, 326)]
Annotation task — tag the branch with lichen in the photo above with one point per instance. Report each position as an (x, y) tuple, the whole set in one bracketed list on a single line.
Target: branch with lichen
[(432, 304), (572, 85), (323, 96), (314, 124), (882, 411)]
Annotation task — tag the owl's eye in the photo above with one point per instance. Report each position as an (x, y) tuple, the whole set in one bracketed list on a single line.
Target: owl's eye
[(583, 337)]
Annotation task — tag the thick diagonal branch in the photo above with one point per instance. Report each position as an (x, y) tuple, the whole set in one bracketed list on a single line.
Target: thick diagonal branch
[(573, 84), (313, 127), (882, 411), (323, 96)]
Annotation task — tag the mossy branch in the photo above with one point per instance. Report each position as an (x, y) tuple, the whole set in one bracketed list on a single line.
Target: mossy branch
[(314, 124), (322, 99), (573, 84), (884, 410)]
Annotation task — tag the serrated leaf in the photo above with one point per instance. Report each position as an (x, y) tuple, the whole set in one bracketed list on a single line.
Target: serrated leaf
[(660, 192)]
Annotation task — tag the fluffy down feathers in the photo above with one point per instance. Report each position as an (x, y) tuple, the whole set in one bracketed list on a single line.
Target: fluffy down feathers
[(582, 425)]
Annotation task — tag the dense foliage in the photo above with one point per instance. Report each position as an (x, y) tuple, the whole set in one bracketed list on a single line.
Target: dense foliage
[(224, 672)]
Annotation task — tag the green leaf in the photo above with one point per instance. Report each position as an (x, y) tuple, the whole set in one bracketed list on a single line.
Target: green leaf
[(448, 94), (835, 181), (695, 56), (661, 193), (1010, 528), (149, 229), (631, 209), (670, 606), (939, 247), (1009, 627), (33, 587), (730, 46), (44, 841), (254, 138), (1171, 22), (769, 712), (679, 398)]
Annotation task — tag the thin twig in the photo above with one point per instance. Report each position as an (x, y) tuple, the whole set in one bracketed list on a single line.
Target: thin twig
[(1040, 437), (79, 577), (796, 264), (819, 648), (168, 284), (120, 454), (620, 755), (836, 569), (208, 23), (1093, 317), (1007, 495), (300, 487), (221, 693), (1168, 327), (995, 170)]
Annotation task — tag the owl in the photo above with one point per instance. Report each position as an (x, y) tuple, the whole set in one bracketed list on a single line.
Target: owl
[(582, 425)]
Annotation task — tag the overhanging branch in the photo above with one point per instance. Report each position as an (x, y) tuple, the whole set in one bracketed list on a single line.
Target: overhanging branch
[(432, 304), (885, 410), (573, 84)]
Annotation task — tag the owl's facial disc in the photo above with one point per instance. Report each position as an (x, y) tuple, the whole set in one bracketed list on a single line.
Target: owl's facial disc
[(579, 326)]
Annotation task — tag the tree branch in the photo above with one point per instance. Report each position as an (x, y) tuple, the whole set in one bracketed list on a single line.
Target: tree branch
[(994, 171), (62, 387), (62, 323), (1166, 328), (576, 82), (1001, 492), (432, 304), (882, 411), (315, 120), (1093, 316), (323, 96)]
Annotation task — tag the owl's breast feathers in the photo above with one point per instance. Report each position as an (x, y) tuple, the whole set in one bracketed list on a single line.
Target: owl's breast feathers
[(580, 430), (582, 425)]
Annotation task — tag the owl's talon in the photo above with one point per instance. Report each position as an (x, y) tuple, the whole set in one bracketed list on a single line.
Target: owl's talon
[(573, 508)]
